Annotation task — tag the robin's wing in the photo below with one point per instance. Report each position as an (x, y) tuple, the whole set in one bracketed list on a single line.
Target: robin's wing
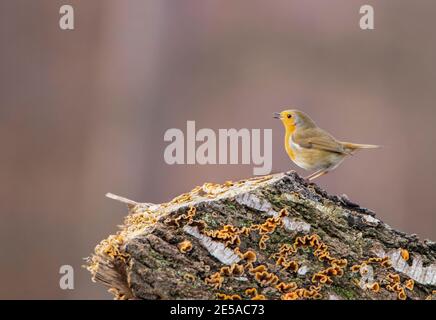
[(318, 139)]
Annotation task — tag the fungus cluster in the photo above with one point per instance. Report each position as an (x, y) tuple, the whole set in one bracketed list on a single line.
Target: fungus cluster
[(266, 228), (311, 293), (249, 256), (137, 221), (320, 250), (189, 277), (383, 262), (392, 281), (374, 287), (265, 278), (141, 217), (215, 280), (405, 254), (287, 265), (235, 269), (286, 287), (230, 235), (185, 246), (111, 248), (223, 296), (186, 218), (212, 190), (394, 285), (262, 242), (290, 291), (253, 294), (430, 296), (409, 284), (259, 297)]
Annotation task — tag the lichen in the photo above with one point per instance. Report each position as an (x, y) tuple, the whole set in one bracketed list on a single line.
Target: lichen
[(272, 237)]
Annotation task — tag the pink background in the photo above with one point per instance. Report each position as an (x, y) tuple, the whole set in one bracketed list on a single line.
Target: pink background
[(84, 112)]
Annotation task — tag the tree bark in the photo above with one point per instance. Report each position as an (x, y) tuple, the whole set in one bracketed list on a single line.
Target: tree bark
[(278, 234)]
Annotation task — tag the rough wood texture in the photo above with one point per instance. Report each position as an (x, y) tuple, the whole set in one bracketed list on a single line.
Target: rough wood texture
[(278, 234)]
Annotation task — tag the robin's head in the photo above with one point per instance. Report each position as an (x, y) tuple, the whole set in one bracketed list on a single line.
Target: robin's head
[(292, 119)]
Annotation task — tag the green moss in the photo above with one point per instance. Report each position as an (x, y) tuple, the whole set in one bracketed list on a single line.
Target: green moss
[(245, 223), (160, 260), (344, 293), (277, 238), (210, 220), (277, 201), (231, 206)]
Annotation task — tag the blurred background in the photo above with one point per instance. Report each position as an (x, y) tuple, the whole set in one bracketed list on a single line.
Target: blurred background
[(84, 112)]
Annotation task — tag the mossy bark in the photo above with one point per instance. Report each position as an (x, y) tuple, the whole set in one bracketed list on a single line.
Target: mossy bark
[(177, 250)]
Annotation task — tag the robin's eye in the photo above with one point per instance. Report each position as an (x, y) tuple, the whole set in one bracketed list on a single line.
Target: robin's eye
[(289, 116)]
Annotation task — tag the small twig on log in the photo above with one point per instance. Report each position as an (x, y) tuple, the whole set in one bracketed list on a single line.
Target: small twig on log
[(130, 203)]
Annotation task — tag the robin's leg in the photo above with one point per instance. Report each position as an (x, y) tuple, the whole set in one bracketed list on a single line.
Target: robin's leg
[(310, 177), (317, 174)]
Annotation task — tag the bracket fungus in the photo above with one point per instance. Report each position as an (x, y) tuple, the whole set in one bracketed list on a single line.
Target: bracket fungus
[(251, 238)]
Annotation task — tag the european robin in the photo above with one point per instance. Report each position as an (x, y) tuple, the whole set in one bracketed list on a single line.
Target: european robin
[(312, 148)]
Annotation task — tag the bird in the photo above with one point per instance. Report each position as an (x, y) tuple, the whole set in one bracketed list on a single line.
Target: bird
[(311, 147)]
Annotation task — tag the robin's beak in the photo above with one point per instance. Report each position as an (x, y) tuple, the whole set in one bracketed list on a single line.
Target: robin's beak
[(276, 115)]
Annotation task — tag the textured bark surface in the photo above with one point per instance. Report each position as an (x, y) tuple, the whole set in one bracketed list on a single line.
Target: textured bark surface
[(278, 234)]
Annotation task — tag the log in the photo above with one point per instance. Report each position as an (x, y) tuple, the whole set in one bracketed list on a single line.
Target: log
[(270, 237)]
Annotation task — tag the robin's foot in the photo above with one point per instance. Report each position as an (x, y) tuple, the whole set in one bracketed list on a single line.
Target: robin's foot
[(316, 174)]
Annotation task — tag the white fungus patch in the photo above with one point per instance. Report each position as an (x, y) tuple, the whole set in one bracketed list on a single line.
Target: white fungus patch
[(367, 276), (243, 279), (371, 220), (253, 202), (293, 224), (215, 248), (302, 270)]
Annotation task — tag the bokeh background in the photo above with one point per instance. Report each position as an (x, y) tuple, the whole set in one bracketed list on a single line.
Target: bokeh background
[(84, 112)]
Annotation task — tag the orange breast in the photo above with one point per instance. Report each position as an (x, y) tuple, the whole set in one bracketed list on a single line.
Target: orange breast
[(288, 148)]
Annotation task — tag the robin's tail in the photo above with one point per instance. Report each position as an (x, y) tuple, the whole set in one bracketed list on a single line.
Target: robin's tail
[(355, 146)]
